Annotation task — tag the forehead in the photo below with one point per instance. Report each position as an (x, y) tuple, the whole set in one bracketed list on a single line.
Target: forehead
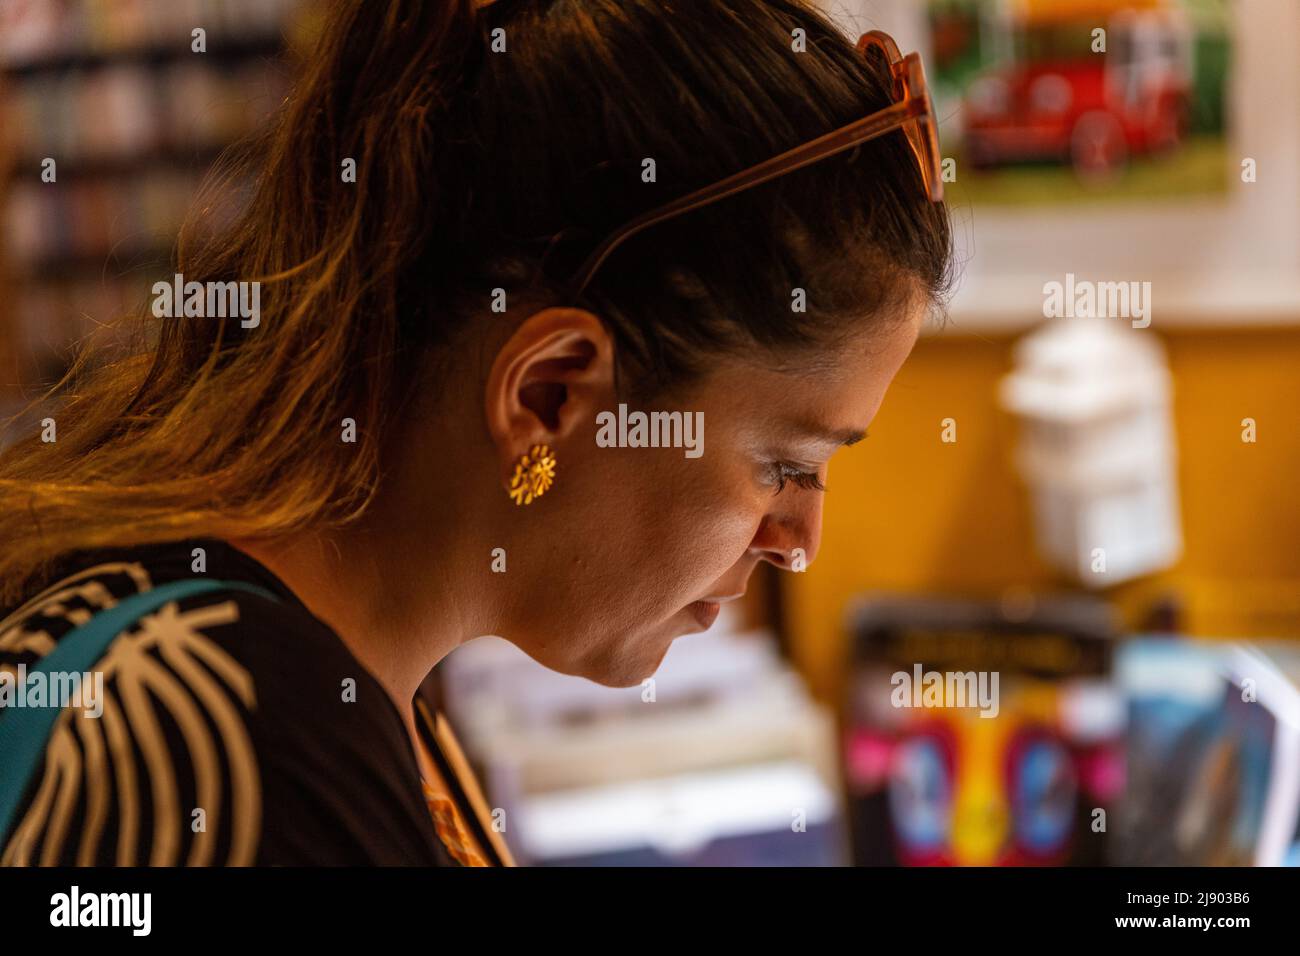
[(832, 394)]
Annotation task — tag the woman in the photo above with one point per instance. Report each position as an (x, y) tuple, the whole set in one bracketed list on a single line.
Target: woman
[(471, 266)]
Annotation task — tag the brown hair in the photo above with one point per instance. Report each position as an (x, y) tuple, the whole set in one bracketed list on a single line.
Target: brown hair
[(477, 170)]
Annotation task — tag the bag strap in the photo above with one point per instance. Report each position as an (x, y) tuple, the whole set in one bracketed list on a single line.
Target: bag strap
[(25, 731)]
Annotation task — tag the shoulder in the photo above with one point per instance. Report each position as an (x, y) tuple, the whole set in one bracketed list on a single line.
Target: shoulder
[(227, 727)]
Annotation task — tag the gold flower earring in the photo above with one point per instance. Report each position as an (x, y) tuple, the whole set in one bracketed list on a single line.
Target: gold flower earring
[(534, 475)]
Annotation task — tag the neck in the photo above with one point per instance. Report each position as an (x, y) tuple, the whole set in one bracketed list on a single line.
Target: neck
[(398, 585), (397, 627)]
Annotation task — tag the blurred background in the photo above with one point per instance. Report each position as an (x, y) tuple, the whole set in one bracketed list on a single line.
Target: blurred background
[(1081, 484)]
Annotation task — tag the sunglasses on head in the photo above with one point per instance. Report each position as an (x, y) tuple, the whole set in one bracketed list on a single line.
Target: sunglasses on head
[(912, 111)]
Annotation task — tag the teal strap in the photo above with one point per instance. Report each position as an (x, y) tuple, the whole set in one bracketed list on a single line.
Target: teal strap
[(25, 731)]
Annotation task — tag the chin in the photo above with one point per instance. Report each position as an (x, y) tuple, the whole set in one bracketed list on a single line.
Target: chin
[(637, 658)]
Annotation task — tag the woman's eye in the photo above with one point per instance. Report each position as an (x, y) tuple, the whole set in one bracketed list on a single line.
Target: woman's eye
[(783, 473)]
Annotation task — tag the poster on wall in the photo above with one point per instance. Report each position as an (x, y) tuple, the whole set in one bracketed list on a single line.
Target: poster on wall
[(1150, 143), (1046, 101)]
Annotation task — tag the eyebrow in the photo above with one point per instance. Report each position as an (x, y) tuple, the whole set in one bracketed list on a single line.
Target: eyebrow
[(849, 436), (837, 436)]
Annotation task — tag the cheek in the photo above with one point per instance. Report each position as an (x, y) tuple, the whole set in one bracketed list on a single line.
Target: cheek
[(709, 520), (666, 528)]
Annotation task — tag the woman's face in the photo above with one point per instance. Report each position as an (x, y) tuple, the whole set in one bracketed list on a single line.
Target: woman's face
[(636, 546)]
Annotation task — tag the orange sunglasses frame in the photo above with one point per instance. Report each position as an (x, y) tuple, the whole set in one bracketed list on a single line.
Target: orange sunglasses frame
[(912, 111)]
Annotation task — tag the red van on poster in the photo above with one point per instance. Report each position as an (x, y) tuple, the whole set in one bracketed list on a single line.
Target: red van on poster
[(1059, 100)]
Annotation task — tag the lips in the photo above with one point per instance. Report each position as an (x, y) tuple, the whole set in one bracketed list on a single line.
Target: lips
[(705, 612)]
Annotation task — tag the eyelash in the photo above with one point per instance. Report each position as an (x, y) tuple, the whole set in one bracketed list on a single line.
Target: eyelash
[(804, 479)]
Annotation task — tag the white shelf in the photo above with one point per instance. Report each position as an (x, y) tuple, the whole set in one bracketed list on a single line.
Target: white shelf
[(1178, 301)]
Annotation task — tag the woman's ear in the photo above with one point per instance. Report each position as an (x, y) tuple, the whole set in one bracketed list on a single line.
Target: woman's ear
[(550, 378)]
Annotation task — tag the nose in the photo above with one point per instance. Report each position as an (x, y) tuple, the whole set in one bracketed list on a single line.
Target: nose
[(789, 527)]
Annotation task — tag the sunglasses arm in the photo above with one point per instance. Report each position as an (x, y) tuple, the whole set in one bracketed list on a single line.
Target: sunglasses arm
[(837, 141)]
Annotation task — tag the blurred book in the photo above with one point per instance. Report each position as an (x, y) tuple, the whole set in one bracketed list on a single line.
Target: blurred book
[(723, 760), (111, 113), (1213, 754), (982, 733)]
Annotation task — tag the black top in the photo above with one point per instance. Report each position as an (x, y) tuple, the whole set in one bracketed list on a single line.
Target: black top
[(228, 734)]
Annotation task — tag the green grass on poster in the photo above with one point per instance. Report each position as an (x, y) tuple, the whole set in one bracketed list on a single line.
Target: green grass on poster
[(1201, 167)]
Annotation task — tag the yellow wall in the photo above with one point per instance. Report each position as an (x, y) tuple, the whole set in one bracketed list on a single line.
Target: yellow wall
[(908, 512)]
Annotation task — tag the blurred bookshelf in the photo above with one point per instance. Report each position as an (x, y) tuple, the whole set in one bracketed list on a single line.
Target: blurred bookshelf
[(133, 115)]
